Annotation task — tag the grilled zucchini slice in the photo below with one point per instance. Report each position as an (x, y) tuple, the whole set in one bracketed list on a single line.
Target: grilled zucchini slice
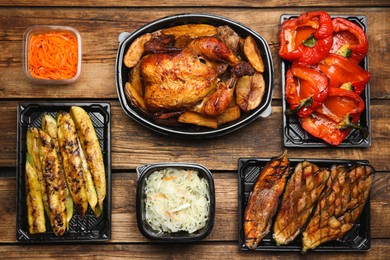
[(92, 150), (49, 125), (72, 163), (35, 209)]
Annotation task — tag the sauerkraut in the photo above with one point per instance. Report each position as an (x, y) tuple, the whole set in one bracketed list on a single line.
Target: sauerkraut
[(176, 200)]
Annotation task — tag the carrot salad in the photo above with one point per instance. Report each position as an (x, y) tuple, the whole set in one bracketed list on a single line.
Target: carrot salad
[(53, 55)]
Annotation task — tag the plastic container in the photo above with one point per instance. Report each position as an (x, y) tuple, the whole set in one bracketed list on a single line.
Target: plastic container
[(87, 229), (40, 29), (182, 236), (358, 239), (188, 131), (293, 133)]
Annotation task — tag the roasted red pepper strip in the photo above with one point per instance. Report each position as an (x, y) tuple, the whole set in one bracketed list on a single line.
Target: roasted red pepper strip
[(306, 39), (344, 73), (306, 89), (349, 40), (333, 121)]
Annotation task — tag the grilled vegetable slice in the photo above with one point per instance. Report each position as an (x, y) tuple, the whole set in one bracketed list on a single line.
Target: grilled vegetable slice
[(92, 150), (32, 143), (340, 204), (72, 163), (35, 209), (301, 195), (49, 125), (55, 183), (89, 186), (263, 201)]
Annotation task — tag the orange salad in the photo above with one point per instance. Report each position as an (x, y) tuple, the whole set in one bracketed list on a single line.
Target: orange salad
[(53, 56)]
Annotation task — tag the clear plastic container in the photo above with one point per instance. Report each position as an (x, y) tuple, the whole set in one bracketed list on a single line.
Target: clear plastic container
[(41, 29)]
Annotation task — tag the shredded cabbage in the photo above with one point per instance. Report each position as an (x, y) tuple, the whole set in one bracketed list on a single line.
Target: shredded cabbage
[(176, 200)]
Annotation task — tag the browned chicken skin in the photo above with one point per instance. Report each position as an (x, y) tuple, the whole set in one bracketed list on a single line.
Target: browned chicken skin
[(179, 80), (263, 201)]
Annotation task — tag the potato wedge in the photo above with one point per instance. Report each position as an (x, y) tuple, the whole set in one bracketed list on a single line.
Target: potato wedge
[(229, 37), (49, 125), (35, 209), (72, 163), (192, 30), (253, 55), (230, 114), (250, 91), (194, 118), (92, 150), (134, 89), (136, 50)]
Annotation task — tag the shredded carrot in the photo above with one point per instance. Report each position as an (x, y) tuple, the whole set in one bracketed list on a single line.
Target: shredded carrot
[(53, 55)]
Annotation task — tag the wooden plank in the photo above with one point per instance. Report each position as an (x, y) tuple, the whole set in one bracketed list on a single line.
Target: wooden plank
[(202, 250), (134, 145), (100, 29), (124, 224), (191, 3)]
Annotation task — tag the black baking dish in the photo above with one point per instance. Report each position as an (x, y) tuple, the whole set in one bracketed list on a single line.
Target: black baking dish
[(181, 237), (295, 136), (89, 228), (121, 76), (358, 239)]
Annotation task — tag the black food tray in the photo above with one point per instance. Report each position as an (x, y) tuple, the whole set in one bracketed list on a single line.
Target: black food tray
[(89, 228), (295, 136), (358, 239)]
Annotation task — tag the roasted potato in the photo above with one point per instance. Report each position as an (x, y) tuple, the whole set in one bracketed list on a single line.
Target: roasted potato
[(250, 91), (136, 50), (194, 118), (192, 30), (229, 36), (230, 114), (253, 55), (134, 90)]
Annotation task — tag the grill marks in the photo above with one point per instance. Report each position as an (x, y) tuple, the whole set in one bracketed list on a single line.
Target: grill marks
[(70, 151), (322, 203)]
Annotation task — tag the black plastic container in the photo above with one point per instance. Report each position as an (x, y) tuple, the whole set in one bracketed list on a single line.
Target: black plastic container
[(358, 239), (295, 136), (89, 228), (178, 237), (188, 131)]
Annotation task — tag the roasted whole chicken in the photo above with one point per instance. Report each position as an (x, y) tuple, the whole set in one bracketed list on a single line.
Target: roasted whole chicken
[(192, 74)]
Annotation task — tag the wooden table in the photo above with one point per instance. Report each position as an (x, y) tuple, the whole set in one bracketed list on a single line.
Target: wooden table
[(99, 23)]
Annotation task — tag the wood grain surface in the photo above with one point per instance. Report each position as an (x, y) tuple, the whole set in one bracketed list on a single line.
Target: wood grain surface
[(100, 23)]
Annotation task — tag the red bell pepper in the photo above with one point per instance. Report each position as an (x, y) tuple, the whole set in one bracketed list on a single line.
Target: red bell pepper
[(306, 39), (334, 120), (349, 40), (306, 89), (344, 73)]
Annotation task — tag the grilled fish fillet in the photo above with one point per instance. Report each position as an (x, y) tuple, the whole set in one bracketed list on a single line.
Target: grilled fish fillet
[(301, 195), (263, 201), (340, 204)]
